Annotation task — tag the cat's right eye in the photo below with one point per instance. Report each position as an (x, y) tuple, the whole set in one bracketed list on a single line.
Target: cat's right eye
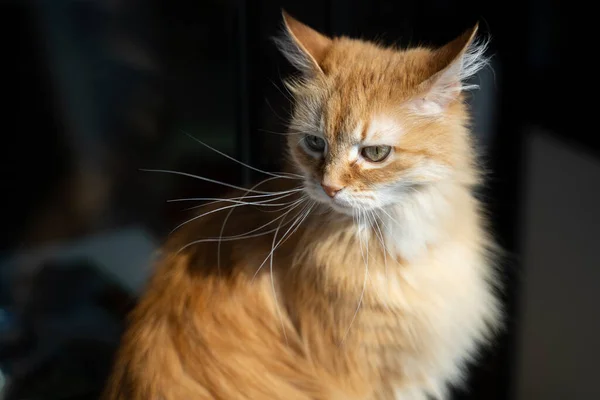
[(314, 143)]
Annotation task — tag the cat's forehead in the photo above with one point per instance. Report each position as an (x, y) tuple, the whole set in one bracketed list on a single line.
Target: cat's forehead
[(359, 117), (372, 128)]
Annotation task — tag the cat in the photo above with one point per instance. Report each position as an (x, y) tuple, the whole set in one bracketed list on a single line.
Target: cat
[(365, 270)]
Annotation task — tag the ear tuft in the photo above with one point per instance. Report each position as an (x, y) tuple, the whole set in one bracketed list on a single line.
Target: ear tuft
[(304, 47), (461, 60), (473, 60)]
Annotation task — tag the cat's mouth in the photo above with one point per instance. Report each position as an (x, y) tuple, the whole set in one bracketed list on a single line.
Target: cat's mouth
[(342, 202)]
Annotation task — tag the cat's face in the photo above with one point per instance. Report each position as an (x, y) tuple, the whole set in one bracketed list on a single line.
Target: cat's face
[(369, 162), (370, 125)]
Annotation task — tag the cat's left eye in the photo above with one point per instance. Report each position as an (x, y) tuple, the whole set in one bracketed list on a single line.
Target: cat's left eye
[(315, 143), (376, 153)]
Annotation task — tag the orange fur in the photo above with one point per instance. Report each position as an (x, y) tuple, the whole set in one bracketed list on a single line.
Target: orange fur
[(374, 305)]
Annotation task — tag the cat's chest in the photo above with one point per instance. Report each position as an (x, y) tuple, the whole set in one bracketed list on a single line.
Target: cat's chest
[(416, 321), (425, 320), (397, 316)]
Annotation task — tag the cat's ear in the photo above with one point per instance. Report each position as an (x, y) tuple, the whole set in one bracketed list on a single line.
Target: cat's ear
[(460, 60), (304, 47)]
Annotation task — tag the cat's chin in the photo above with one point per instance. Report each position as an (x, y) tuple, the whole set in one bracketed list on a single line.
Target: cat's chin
[(342, 209), (337, 206)]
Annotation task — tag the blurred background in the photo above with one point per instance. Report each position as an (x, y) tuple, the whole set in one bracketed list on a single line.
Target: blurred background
[(99, 89)]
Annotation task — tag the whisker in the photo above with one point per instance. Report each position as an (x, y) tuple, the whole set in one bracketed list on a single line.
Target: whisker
[(385, 251), (273, 211), (362, 294), (205, 214), (284, 175), (367, 247), (265, 203), (295, 224), (386, 213), (275, 113), (222, 209), (386, 226), (292, 206), (289, 192), (288, 133), (245, 235), (225, 239), (277, 307), (166, 171), (381, 240), (225, 222), (273, 282), (288, 98), (233, 200)]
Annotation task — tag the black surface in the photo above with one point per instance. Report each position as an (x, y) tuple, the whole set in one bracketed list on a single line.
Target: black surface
[(33, 154)]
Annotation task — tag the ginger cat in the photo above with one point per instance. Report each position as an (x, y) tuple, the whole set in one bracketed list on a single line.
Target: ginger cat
[(362, 272)]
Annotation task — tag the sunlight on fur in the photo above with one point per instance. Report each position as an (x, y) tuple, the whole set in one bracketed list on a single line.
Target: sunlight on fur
[(362, 271)]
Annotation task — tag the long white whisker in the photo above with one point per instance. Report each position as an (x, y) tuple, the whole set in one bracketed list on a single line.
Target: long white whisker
[(271, 255), (287, 96), (367, 240), (273, 283), (271, 272), (386, 226), (205, 214), (360, 238), (275, 210), (264, 203), (225, 239), (291, 207), (288, 133), (235, 200), (289, 192), (362, 294), (166, 171), (285, 121), (392, 218), (385, 251), (296, 224), (381, 240), (245, 235), (277, 175), (227, 218)]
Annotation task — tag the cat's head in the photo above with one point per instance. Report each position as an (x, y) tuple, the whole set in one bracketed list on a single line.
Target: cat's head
[(371, 124)]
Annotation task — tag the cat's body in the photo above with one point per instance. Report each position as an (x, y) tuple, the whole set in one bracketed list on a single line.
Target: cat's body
[(386, 303)]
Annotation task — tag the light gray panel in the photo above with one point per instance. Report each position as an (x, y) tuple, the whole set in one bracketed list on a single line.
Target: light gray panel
[(559, 348)]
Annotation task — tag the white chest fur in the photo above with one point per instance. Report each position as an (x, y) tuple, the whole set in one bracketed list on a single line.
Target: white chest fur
[(441, 291), (445, 307)]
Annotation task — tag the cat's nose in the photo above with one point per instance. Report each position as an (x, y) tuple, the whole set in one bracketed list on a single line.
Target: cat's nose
[(330, 190)]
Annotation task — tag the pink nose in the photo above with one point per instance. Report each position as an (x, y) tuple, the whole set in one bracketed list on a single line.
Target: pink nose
[(330, 190)]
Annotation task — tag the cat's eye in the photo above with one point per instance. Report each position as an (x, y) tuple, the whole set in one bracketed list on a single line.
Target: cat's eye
[(315, 143), (376, 153)]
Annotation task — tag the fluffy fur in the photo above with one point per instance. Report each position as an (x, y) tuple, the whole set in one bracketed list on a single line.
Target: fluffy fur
[(384, 291)]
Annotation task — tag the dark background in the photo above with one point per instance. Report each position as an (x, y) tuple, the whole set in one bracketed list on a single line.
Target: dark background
[(98, 90)]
